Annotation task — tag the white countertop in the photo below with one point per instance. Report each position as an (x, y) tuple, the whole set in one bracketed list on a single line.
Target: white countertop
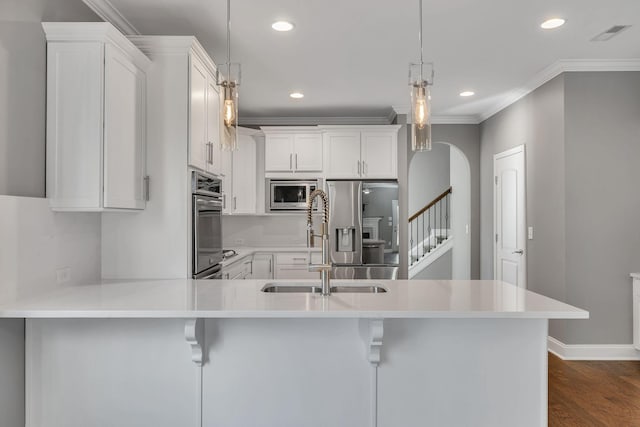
[(186, 298)]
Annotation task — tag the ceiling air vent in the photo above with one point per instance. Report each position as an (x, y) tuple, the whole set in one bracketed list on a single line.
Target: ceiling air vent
[(610, 33)]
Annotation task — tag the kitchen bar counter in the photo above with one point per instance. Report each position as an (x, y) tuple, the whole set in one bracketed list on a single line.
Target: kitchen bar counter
[(168, 353), (242, 299)]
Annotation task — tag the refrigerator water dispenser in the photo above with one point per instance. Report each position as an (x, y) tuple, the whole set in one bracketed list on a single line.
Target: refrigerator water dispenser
[(345, 238)]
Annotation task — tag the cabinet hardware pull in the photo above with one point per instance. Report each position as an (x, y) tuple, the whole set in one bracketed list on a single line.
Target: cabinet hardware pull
[(296, 161), (235, 204), (364, 167), (299, 259), (147, 191), (224, 200), (358, 167), (290, 161)]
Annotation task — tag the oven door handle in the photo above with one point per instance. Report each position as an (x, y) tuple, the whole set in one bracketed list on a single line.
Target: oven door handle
[(210, 203)]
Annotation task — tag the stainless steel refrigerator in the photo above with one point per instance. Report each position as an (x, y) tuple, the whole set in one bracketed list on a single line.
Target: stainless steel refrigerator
[(363, 227)]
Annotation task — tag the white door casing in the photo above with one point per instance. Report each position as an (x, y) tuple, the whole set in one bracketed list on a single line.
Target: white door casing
[(510, 216)]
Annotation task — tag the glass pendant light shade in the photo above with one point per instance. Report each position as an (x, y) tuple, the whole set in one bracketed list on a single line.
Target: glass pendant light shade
[(420, 97), (421, 116), (229, 97), (229, 108)]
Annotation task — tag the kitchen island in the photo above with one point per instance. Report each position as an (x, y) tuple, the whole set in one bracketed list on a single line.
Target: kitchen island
[(223, 353)]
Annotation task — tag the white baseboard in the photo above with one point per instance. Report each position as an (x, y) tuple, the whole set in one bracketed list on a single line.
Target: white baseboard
[(592, 351)]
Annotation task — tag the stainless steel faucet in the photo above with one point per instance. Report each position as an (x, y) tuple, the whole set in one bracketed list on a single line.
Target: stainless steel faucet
[(325, 267)]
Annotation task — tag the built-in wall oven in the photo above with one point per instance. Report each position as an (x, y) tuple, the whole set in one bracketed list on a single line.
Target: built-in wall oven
[(206, 195), (286, 195)]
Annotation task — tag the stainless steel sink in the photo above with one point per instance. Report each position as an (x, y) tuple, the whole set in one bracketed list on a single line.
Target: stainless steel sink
[(286, 289), (312, 288)]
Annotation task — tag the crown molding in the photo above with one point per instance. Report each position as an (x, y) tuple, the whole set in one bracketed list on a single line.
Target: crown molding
[(290, 129), (153, 46), (554, 70), (94, 31), (311, 120), (455, 120), (105, 10)]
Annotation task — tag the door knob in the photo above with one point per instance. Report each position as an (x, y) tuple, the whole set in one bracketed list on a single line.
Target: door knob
[(519, 251)]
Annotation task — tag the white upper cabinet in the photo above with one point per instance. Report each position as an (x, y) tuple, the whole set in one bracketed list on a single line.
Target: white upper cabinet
[(96, 118), (213, 127), (198, 148), (353, 152), (307, 152), (238, 173), (379, 154), (343, 154), (204, 112), (244, 175), (278, 153), (293, 150)]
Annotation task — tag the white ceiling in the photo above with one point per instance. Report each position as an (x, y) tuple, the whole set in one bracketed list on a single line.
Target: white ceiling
[(350, 57)]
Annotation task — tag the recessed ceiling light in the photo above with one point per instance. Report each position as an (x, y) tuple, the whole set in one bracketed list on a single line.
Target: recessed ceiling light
[(296, 95), (552, 23), (282, 26), (467, 93)]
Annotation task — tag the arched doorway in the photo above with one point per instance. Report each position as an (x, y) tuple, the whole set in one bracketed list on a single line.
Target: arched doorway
[(446, 252)]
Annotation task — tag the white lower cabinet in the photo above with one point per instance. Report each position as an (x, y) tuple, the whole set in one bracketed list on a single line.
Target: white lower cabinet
[(279, 265), (262, 267), (96, 118), (238, 270), (295, 265)]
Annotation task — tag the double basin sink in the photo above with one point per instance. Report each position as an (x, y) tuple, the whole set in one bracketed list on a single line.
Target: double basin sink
[(315, 288)]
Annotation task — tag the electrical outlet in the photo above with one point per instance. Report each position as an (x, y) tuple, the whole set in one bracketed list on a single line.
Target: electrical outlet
[(63, 275), (530, 233)]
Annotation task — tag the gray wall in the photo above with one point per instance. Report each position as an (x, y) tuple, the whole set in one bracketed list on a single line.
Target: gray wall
[(602, 146), (582, 138), (537, 121), (22, 89), (12, 407), (428, 176), (440, 269), (467, 139)]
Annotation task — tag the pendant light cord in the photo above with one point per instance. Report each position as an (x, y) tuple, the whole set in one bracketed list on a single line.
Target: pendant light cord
[(229, 40), (420, 37)]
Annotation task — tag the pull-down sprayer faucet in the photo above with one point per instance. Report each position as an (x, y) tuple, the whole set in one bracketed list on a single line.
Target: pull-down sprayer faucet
[(325, 267)]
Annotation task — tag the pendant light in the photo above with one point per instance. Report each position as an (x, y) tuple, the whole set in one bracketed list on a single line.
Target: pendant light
[(229, 98), (420, 99)]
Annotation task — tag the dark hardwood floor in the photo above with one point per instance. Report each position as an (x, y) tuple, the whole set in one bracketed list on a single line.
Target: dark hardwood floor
[(593, 393)]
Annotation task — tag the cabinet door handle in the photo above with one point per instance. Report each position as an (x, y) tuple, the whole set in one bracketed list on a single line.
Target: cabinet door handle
[(270, 268), (299, 259), (146, 180), (290, 161), (296, 161), (364, 167), (358, 167), (235, 204), (224, 201)]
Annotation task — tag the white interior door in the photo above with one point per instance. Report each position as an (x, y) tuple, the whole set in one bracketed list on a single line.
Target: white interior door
[(510, 217)]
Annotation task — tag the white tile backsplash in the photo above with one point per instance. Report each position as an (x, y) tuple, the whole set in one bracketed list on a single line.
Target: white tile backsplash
[(264, 230), (40, 248)]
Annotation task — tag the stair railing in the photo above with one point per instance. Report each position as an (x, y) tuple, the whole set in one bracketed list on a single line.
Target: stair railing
[(432, 218)]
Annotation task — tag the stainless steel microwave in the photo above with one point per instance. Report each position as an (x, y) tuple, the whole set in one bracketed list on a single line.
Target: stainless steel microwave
[(287, 195)]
